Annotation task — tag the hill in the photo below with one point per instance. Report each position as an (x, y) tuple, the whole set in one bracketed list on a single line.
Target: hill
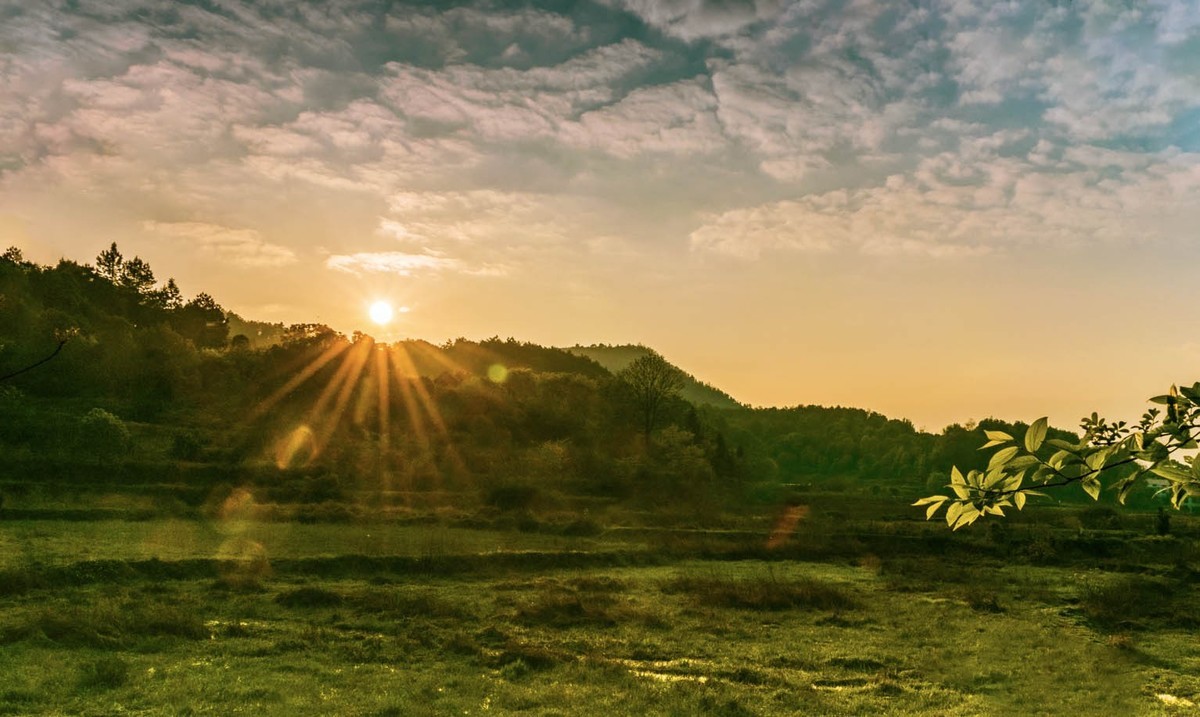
[(144, 383), (615, 358)]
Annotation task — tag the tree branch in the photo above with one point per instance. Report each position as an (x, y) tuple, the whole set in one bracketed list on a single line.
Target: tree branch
[(57, 349)]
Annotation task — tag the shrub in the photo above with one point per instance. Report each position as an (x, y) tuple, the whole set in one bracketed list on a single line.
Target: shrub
[(102, 435)]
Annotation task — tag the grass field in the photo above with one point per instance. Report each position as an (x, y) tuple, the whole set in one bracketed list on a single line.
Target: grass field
[(164, 617)]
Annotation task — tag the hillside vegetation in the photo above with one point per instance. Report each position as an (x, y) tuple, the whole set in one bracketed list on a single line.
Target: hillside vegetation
[(616, 358), (157, 389)]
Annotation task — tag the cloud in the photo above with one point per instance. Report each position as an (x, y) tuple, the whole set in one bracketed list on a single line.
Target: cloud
[(484, 135), (487, 227), (827, 87), (695, 19), (506, 104), (240, 247), (1100, 70), (457, 35), (977, 202), (389, 262), (677, 118)]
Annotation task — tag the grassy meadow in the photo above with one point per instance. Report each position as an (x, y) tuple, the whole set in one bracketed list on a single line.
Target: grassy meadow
[(888, 615)]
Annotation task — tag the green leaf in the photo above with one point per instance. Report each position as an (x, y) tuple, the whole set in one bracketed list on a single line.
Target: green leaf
[(1092, 487), (1059, 459), (1036, 434), (969, 515), (1022, 463), (1019, 500), (931, 499), (1002, 456), (1125, 485), (1171, 472), (934, 502), (958, 483), (953, 513), (998, 436), (1064, 445), (991, 444)]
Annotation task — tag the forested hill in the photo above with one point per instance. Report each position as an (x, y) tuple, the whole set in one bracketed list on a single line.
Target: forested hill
[(123, 371), (616, 358)]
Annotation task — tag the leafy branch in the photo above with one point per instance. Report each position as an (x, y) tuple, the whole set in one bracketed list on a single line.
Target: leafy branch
[(1021, 469)]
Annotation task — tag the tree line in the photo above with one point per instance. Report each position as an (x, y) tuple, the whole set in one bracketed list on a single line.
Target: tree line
[(143, 376)]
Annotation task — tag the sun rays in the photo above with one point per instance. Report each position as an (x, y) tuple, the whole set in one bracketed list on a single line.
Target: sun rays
[(391, 399)]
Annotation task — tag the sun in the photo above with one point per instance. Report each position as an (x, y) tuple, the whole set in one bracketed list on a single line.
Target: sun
[(381, 312)]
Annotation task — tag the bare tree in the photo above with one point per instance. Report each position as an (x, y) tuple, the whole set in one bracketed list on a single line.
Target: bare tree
[(652, 381)]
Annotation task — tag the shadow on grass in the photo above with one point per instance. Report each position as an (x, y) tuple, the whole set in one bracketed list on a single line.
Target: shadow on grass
[(1135, 602), (108, 623)]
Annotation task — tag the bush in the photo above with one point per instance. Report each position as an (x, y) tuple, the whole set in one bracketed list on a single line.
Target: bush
[(102, 435)]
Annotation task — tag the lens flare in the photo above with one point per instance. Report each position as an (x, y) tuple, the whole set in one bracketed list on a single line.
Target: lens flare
[(297, 449), (497, 373)]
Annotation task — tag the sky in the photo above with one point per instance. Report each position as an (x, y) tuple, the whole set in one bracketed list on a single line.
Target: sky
[(941, 210)]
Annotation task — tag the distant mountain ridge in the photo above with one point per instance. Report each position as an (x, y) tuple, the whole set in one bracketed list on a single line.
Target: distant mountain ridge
[(615, 358)]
